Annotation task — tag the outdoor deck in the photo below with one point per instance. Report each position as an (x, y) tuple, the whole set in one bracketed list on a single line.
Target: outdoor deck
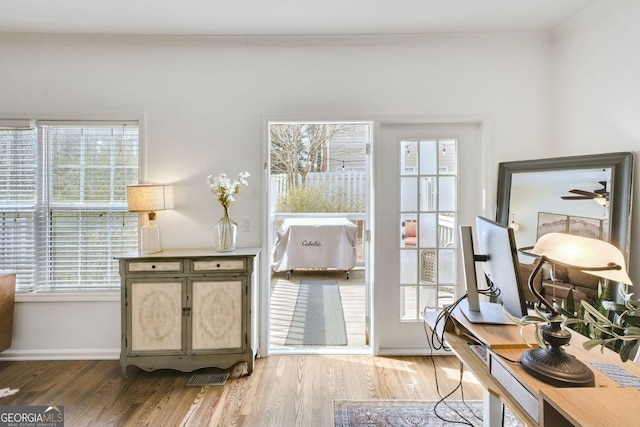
[(283, 300)]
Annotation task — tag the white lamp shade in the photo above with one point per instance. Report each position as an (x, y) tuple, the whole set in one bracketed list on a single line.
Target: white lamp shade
[(149, 197), (578, 251)]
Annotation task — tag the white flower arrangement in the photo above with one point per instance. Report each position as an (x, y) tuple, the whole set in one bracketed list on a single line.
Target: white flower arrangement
[(225, 189)]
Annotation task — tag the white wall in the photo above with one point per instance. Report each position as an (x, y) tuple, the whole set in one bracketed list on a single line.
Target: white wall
[(205, 101), (596, 90)]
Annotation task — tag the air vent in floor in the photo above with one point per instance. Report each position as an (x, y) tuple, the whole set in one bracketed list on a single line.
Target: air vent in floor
[(199, 380)]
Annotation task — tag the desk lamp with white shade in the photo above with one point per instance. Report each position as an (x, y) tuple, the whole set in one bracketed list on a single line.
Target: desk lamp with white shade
[(551, 364), (150, 198)]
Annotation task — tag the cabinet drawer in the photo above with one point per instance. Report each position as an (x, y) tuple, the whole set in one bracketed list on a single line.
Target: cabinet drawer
[(157, 266), (218, 264), (525, 398)]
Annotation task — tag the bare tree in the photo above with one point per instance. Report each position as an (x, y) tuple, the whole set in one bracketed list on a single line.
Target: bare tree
[(300, 148)]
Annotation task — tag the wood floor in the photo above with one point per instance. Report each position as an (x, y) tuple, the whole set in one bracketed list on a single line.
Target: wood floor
[(283, 390)]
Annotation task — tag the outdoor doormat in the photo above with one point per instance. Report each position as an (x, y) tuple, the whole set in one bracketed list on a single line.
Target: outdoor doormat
[(318, 318), (199, 380), (404, 413)]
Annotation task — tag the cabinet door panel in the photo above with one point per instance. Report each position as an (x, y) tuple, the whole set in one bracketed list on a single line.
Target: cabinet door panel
[(156, 316), (216, 317)]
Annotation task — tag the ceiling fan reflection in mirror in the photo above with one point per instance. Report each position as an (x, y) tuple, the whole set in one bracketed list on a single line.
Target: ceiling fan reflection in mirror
[(600, 196)]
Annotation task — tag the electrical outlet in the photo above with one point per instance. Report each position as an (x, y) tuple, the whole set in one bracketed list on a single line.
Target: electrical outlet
[(246, 223)]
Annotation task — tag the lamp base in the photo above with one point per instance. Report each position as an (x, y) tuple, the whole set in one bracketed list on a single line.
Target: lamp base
[(555, 367), (150, 242)]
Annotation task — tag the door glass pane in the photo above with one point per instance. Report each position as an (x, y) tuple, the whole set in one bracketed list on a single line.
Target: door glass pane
[(446, 296), (428, 297), (408, 303), (428, 231), (448, 160), (428, 266), (409, 231), (428, 157), (446, 266), (409, 266), (408, 194), (447, 193), (446, 230), (409, 158), (428, 193)]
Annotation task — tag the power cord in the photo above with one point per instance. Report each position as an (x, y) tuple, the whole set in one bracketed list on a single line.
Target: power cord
[(437, 342)]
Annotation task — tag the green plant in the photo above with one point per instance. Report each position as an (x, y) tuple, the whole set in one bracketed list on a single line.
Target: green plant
[(317, 199), (569, 311), (617, 328), (620, 329)]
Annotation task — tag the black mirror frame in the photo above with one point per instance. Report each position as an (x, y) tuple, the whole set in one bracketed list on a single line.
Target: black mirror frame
[(621, 165)]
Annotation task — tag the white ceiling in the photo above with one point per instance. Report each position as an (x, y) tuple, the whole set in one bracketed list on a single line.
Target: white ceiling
[(283, 17)]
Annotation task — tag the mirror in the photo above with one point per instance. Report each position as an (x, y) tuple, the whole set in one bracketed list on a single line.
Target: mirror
[(589, 195)]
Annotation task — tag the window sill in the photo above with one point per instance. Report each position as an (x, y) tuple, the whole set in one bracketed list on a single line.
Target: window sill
[(69, 296)]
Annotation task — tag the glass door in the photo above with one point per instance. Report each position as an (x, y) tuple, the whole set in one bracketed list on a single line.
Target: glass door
[(429, 179)]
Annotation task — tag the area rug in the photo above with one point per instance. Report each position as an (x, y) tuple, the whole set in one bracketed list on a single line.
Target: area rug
[(402, 413), (318, 318)]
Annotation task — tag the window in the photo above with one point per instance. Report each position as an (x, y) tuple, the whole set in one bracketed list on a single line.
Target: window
[(428, 204), (63, 210)]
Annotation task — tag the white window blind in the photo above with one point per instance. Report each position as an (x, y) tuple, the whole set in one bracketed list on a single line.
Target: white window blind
[(18, 178), (65, 213)]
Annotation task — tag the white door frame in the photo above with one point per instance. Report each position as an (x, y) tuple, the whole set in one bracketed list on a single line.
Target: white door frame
[(487, 187), (267, 234)]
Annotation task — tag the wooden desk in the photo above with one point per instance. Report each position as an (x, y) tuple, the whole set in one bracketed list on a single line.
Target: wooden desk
[(592, 406), (532, 401)]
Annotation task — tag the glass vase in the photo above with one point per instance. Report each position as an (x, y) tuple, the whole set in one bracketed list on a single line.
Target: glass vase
[(226, 231)]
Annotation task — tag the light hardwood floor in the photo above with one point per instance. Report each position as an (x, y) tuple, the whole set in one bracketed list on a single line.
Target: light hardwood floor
[(283, 391)]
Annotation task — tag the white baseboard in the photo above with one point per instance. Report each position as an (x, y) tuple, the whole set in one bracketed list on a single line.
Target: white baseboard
[(61, 354), (114, 354), (420, 351)]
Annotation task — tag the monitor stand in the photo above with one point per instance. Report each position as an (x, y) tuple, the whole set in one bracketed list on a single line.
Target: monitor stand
[(489, 313), (475, 310)]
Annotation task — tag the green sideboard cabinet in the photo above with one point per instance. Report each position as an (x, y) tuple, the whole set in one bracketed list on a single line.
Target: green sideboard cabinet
[(188, 309)]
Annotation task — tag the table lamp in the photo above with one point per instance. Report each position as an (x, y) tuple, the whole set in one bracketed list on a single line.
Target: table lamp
[(150, 198), (551, 364)]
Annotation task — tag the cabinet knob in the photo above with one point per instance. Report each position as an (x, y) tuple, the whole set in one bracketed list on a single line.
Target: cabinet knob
[(153, 266), (218, 265)]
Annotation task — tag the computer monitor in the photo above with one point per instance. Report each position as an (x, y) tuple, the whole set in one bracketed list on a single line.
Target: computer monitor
[(497, 252)]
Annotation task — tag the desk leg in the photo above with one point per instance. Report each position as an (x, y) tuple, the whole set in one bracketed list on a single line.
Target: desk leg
[(492, 410)]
